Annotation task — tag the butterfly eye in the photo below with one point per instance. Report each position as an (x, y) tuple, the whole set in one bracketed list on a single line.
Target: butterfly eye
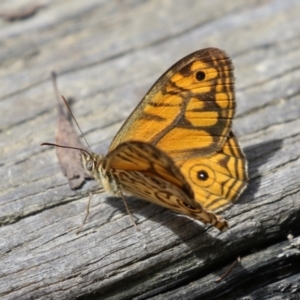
[(90, 165), (202, 175), (200, 75)]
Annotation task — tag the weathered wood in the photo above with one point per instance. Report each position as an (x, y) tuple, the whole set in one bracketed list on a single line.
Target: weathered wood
[(107, 54)]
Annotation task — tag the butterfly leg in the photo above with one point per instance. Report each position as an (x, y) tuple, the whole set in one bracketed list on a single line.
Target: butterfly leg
[(88, 209), (119, 193)]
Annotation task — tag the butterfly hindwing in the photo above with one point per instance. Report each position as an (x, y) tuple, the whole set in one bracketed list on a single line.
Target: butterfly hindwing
[(219, 179), (145, 171)]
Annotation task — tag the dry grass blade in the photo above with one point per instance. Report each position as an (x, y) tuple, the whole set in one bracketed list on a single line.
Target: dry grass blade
[(69, 159)]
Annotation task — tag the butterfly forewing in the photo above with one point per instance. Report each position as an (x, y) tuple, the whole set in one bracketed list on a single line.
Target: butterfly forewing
[(192, 105)]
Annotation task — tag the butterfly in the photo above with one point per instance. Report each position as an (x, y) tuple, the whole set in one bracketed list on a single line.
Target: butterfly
[(177, 148)]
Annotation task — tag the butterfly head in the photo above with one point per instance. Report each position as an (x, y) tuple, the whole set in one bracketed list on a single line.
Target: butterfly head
[(91, 163)]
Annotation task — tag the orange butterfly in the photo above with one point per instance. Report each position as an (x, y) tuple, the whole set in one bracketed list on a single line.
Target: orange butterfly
[(177, 149)]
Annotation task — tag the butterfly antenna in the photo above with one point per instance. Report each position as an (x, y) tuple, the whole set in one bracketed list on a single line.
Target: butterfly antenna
[(70, 111), (67, 147)]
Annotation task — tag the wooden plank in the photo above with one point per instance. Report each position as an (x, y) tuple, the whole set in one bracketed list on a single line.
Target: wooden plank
[(107, 55)]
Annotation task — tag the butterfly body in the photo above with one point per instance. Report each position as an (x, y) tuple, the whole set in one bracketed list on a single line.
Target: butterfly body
[(177, 148)]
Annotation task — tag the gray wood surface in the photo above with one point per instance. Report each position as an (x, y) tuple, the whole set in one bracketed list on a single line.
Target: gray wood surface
[(107, 54)]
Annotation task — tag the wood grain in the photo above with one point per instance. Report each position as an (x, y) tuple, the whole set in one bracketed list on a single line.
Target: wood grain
[(107, 54)]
